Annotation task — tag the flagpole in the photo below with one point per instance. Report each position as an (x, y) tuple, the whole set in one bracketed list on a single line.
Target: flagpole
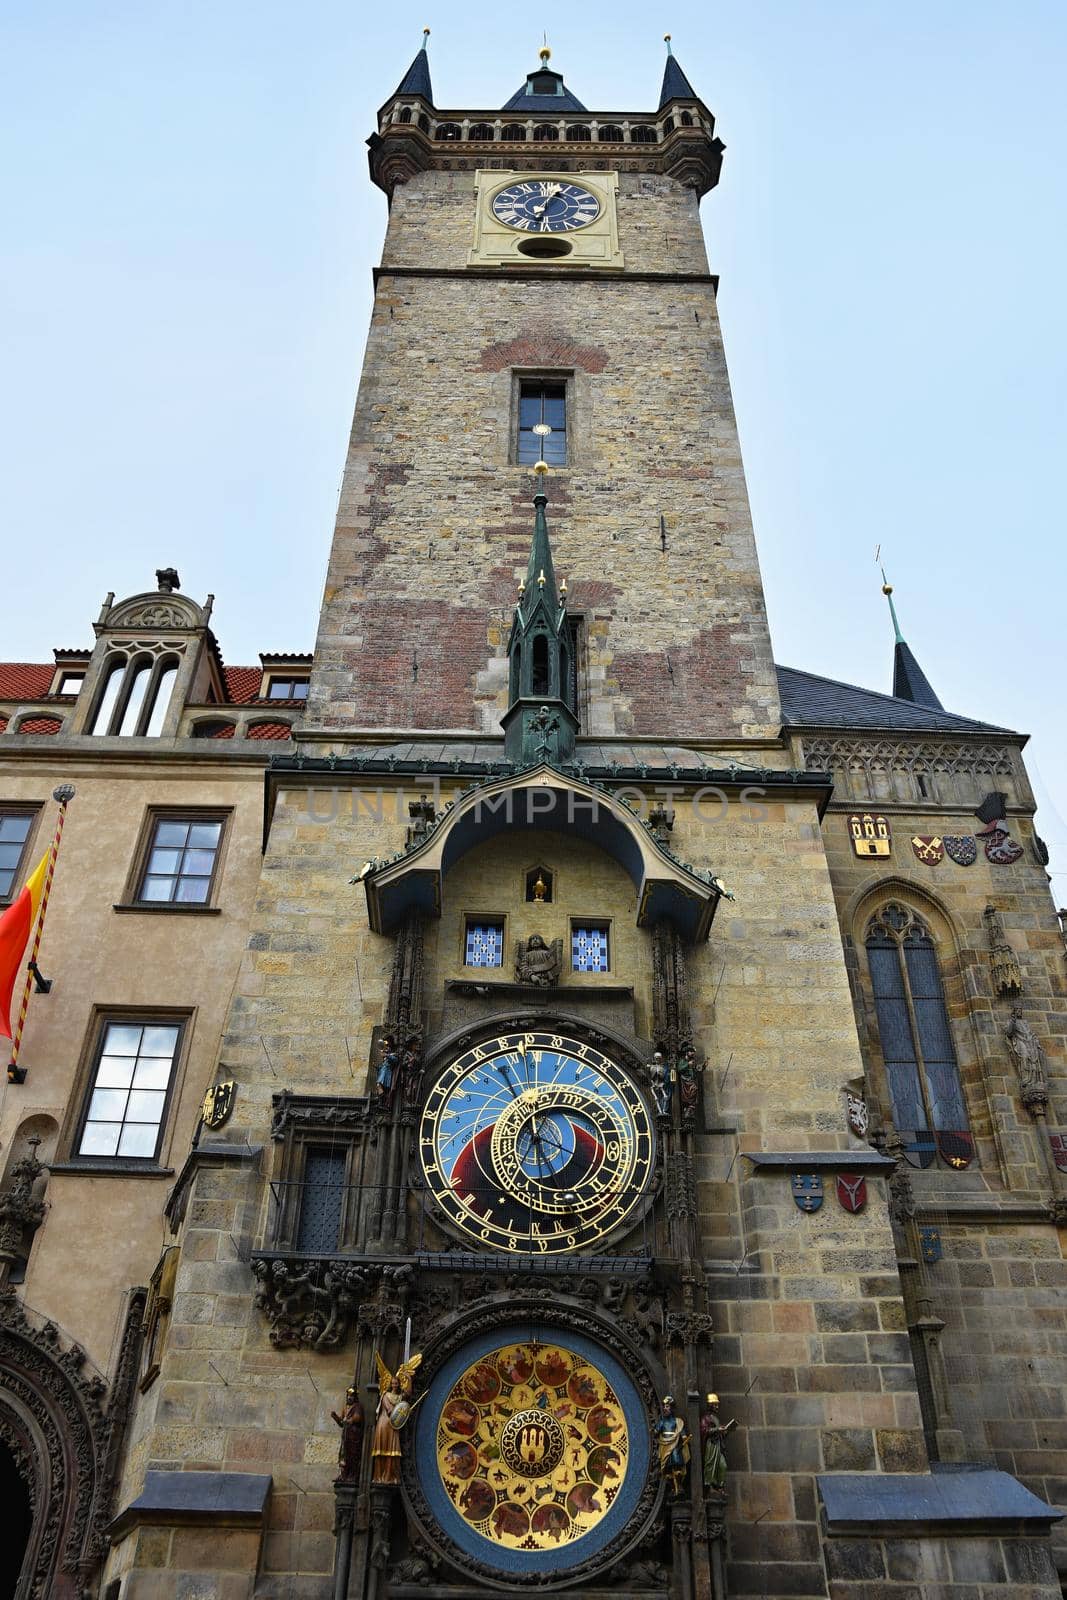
[(64, 794)]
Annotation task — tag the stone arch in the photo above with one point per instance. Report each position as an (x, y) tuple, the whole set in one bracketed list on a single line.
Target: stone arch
[(53, 1425)]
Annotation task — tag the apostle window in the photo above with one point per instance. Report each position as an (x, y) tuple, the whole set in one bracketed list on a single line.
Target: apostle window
[(180, 861), (15, 829), (484, 943), (542, 421), (913, 1024), (131, 1078), (589, 947)]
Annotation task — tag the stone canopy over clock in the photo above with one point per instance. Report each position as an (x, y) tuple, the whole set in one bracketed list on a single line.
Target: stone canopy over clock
[(567, 219)]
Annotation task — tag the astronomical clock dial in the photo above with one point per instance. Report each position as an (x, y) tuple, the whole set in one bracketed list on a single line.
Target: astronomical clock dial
[(545, 205), (537, 1143)]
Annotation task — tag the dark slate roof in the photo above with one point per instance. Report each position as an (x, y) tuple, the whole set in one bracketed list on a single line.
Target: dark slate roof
[(910, 681), (527, 99), (416, 79), (809, 701), (676, 85)]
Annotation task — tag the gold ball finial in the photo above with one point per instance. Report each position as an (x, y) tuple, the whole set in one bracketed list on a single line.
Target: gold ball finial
[(540, 467), (425, 33), (545, 53), (666, 38), (887, 588)]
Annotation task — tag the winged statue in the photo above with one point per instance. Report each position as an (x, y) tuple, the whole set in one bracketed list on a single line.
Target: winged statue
[(537, 962), (394, 1408)]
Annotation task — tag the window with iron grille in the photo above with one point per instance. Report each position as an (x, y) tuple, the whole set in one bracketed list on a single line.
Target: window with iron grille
[(322, 1199), (130, 1082), (181, 860), (484, 945), (542, 421), (15, 828), (913, 1024), (589, 947)]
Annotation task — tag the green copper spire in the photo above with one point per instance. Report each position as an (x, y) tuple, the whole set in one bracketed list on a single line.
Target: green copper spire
[(909, 680), (540, 723), (887, 590)]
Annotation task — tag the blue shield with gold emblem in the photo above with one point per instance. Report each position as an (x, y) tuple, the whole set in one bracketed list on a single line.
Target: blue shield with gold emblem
[(807, 1190)]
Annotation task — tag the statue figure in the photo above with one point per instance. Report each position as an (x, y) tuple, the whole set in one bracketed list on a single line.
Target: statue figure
[(686, 1070), (672, 1444), (537, 962), (350, 1453), (1029, 1061), (660, 1081), (394, 1409), (713, 1432), (388, 1068), (1007, 975)]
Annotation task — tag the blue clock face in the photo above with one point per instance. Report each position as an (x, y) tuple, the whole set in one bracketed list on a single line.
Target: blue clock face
[(545, 205)]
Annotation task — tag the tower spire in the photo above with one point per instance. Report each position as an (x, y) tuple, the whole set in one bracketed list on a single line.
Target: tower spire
[(909, 680), (416, 79), (540, 723), (676, 85)]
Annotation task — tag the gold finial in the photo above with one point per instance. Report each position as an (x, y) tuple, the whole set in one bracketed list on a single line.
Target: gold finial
[(667, 42), (540, 888), (425, 33), (541, 467), (541, 578), (522, 587), (563, 589), (545, 53)]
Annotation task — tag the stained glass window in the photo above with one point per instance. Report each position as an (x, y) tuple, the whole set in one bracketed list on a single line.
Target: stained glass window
[(589, 947), (485, 944), (913, 1024)]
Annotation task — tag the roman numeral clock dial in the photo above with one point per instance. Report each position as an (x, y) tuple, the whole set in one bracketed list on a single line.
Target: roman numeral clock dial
[(536, 1143), (545, 205)]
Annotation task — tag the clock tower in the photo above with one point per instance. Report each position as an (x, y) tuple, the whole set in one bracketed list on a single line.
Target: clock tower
[(544, 1057)]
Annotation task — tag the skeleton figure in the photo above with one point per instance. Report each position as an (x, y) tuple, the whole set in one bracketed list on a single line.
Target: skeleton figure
[(660, 1081)]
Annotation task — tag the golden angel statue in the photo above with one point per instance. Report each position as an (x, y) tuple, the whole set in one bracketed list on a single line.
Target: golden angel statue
[(394, 1408)]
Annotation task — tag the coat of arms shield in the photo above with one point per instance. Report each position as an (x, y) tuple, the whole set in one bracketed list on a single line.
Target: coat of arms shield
[(218, 1103), (852, 1190), (955, 1147), (1058, 1141), (929, 848), (920, 1149), (859, 1118), (962, 848), (807, 1190)]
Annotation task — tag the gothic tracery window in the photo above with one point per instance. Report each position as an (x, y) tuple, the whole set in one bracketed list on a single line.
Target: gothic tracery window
[(913, 1023)]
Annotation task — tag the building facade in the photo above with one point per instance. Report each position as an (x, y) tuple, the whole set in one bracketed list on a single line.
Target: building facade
[(609, 1140)]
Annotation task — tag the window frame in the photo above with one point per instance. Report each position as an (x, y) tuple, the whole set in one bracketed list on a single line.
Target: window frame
[(875, 921), (498, 917), (543, 375), (81, 1099), (18, 808), (304, 1133), (291, 679), (607, 924), (139, 869)]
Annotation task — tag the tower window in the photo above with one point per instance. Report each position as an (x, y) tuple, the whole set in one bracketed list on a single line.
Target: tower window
[(542, 404), (539, 677), (578, 133), (642, 135), (514, 132), (913, 1025), (484, 943), (589, 947), (546, 132), (610, 133), (448, 130), (480, 131), (322, 1198)]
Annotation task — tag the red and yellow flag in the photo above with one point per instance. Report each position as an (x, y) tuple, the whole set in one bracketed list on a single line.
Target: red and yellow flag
[(16, 926)]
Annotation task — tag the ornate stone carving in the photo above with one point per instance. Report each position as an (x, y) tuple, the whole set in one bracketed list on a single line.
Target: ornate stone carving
[(901, 1197), (403, 1013), (1007, 976), (22, 1208), (873, 758), (309, 1302), (537, 962), (316, 1111), (670, 991), (679, 1187), (689, 1327), (1029, 1062)]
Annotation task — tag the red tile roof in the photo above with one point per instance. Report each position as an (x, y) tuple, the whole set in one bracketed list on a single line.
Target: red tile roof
[(242, 684), (25, 680), (40, 725), (269, 730)]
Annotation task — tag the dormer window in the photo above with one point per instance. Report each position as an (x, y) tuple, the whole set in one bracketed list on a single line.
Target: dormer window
[(287, 689), (70, 682)]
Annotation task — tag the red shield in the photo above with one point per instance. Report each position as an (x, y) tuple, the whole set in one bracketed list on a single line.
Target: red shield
[(1058, 1141), (929, 847), (852, 1190), (1002, 849), (955, 1148)]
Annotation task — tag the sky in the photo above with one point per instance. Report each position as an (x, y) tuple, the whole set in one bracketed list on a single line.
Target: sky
[(185, 285)]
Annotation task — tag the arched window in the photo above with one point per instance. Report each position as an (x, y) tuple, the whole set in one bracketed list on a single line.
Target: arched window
[(610, 133), (539, 677), (135, 697), (480, 130), (101, 723), (579, 133), (161, 693), (642, 135), (424, 122), (405, 114), (514, 132), (913, 1025), (448, 130), (546, 132), (687, 119), (668, 125)]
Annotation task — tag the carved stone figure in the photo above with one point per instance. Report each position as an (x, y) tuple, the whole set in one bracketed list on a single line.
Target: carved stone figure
[(1029, 1061), (350, 1423), (713, 1432), (1007, 976), (671, 1437), (687, 1071), (388, 1068), (22, 1207), (660, 1083), (537, 962), (394, 1409)]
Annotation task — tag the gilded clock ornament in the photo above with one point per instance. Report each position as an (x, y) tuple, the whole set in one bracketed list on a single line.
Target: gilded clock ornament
[(536, 1142), (545, 205)]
